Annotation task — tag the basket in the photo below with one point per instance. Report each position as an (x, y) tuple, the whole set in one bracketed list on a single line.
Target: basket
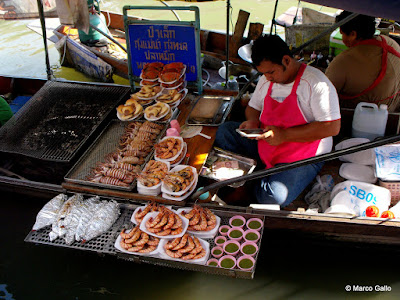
[(394, 188)]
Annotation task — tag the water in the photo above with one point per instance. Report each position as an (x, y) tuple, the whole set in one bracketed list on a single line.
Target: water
[(290, 266)]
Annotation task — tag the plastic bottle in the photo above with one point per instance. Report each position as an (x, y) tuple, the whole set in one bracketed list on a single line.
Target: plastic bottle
[(369, 121), (232, 83), (219, 86)]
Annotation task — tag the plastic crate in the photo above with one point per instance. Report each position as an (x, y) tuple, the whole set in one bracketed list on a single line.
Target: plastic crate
[(394, 188)]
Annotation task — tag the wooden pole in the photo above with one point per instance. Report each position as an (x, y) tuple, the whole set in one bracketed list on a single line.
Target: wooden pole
[(236, 40)]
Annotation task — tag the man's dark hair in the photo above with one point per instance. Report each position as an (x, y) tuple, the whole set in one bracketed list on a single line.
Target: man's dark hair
[(269, 47), (362, 24)]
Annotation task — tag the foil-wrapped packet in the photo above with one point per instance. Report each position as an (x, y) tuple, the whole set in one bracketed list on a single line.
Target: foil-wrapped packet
[(104, 217), (48, 214), (79, 217), (58, 229)]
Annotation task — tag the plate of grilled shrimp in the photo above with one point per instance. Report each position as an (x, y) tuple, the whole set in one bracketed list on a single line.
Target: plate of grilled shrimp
[(136, 241), (202, 221), (165, 223), (188, 248), (140, 212), (156, 111), (129, 111)]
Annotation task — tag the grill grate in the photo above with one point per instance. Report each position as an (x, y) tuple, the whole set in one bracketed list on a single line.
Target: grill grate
[(106, 143), (105, 244), (58, 119)]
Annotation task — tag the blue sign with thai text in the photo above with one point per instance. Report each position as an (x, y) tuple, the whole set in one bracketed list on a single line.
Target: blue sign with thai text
[(163, 43)]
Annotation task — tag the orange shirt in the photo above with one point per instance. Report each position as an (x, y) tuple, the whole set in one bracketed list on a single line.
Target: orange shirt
[(356, 68)]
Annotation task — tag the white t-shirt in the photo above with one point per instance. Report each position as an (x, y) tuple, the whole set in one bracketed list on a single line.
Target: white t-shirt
[(316, 96)]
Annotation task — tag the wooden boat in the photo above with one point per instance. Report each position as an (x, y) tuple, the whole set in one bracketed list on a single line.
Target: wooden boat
[(45, 179)]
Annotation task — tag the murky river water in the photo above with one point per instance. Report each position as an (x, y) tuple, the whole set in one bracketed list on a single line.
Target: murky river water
[(290, 266)]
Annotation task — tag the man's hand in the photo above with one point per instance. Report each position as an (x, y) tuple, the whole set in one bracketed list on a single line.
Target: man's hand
[(250, 124), (273, 135)]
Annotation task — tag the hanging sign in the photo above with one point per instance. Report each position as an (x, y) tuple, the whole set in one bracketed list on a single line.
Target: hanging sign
[(163, 43)]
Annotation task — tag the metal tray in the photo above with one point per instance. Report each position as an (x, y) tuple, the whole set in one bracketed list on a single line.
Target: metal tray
[(105, 244), (59, 119), (220, 115), (216, 154), (105, 143)]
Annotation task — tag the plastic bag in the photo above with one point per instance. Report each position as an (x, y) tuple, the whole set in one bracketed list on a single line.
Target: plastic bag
[(318, 199)]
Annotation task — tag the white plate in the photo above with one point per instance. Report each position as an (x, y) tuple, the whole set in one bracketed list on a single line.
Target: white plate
[(130, 119), (164, 188), (176, 155), (185, 224), (176, 103), (203, 234), (133, 220), (200, 261), (154, 253), (184, 196), (160, 117)]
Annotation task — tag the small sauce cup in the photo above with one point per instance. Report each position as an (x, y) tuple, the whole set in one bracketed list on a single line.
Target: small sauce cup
[(227, 262), (237, 221), (246, 263)]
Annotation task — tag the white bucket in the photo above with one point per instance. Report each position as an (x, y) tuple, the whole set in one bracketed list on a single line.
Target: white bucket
[(369, 121), (360, 195)]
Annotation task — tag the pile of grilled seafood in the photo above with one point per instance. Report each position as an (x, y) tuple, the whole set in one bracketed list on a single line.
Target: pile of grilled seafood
[(151, 207), (170, 97), (153, 173), (131, 109), (165, 223), (168, 73), (135, 240), (157, 110), (187, 247), (168, 148), (122, 166), (180, 180), (146, 94), (200, 219)]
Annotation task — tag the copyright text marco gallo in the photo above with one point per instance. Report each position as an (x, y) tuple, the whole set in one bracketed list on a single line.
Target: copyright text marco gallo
[(367, 288)]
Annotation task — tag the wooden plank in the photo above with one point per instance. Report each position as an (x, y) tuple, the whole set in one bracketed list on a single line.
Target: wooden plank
[(236, 39), (255, 30)]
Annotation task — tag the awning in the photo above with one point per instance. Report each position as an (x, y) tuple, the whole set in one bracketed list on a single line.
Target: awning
[(389, 9)]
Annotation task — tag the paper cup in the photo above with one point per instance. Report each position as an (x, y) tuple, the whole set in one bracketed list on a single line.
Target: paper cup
[(231, 242), (222, 262), (246, 257), (232, 233), (252, 232), (222, 229), (249, 244), (217, 248), (237, 221), (251, 221)]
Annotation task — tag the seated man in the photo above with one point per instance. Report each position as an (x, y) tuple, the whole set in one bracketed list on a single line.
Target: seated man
[(369, 70), (298, 109)]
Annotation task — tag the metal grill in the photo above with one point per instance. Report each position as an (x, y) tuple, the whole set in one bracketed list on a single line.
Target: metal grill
[(107, 142), (105, 244), (58, 119)]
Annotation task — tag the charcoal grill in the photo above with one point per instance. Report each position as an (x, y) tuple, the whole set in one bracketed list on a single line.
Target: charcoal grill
[(59, 119), (105, 244), (107, 142)]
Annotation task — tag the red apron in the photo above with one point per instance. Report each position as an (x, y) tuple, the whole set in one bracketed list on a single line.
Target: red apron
[(385, 49), (286, 114)]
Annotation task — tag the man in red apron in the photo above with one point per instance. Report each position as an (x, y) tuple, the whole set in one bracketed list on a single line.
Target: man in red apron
[(369, 70), (297, 108)]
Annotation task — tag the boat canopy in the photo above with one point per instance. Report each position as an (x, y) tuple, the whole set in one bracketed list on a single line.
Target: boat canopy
[(388, 9)]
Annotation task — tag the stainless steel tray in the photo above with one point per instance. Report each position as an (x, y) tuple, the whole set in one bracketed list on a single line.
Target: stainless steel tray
[(105, 244), (219, 116), (216, 154), (105, 143)]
